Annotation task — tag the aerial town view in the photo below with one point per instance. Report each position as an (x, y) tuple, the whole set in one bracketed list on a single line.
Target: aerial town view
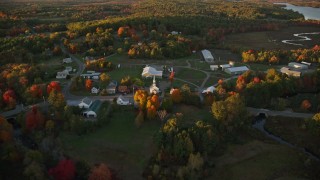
[(159, 89)]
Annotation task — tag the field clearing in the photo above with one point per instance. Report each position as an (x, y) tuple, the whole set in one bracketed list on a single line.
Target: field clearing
[(260, 160), (271, 39), (294, 131), (119, 144), (190, 75)]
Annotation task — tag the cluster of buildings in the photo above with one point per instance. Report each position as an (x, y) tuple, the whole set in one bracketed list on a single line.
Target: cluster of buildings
[(296, 69), (230, 69)]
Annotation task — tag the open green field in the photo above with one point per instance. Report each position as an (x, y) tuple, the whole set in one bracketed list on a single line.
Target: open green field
[(258, 159), (294, 131), (119, 144), (128, 70), (271, 39), (190, 75)]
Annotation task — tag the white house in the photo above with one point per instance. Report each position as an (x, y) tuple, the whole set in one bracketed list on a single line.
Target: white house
[(207, 55), (209, 89), (214, 67), (62, 75), (95, 90), (236, 70), (149, 71), (68, 68), (123, 101), (298, 65), (92, 111), (85, 103), (153, 88), (67, 60)]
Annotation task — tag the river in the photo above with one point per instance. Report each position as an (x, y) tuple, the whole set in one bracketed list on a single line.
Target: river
[(307, 12)]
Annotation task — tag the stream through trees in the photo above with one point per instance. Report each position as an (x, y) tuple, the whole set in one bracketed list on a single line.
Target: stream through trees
[(259, 124)]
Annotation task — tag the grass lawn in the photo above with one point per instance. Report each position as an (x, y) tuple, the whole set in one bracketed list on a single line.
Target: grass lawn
[(132, 71), (199, 64), (118, 144), (190, 75), (294, 131), (260, 160), (211, 81), (192, 114)]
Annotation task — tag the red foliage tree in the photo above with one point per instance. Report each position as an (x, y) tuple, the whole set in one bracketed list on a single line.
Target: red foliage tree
[(256, 80), (100, 172), (5, 130), (34, 119), (220, 82), (171, 76), (65, 170), (8, 96), (35, 91), (54, 85)]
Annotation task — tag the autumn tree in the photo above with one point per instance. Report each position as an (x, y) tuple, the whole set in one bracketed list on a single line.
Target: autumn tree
[(36, 91), (9, 98), (305, 104), (176, 95), (65, 170), (100, 172), (56, 100), (104, 80), (140, 97), (88, 84), (231, 113), (53, 85), (34, 119)]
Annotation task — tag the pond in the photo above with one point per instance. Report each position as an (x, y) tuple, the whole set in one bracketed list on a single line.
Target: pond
[(308, 12)]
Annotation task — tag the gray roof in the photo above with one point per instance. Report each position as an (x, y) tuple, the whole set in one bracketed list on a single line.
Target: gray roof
[(95, 106), (112, 84), (86, 100)]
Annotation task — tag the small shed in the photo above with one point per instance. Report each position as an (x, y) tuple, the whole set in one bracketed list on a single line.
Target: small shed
[(214, 67), (67, 60), (225, 66)]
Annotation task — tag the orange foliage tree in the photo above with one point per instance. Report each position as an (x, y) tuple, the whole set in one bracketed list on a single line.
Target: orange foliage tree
[(100, 172), (305, 104), (88, 84), (152, 106), (176, 96), (140, 97), (34, 119)]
